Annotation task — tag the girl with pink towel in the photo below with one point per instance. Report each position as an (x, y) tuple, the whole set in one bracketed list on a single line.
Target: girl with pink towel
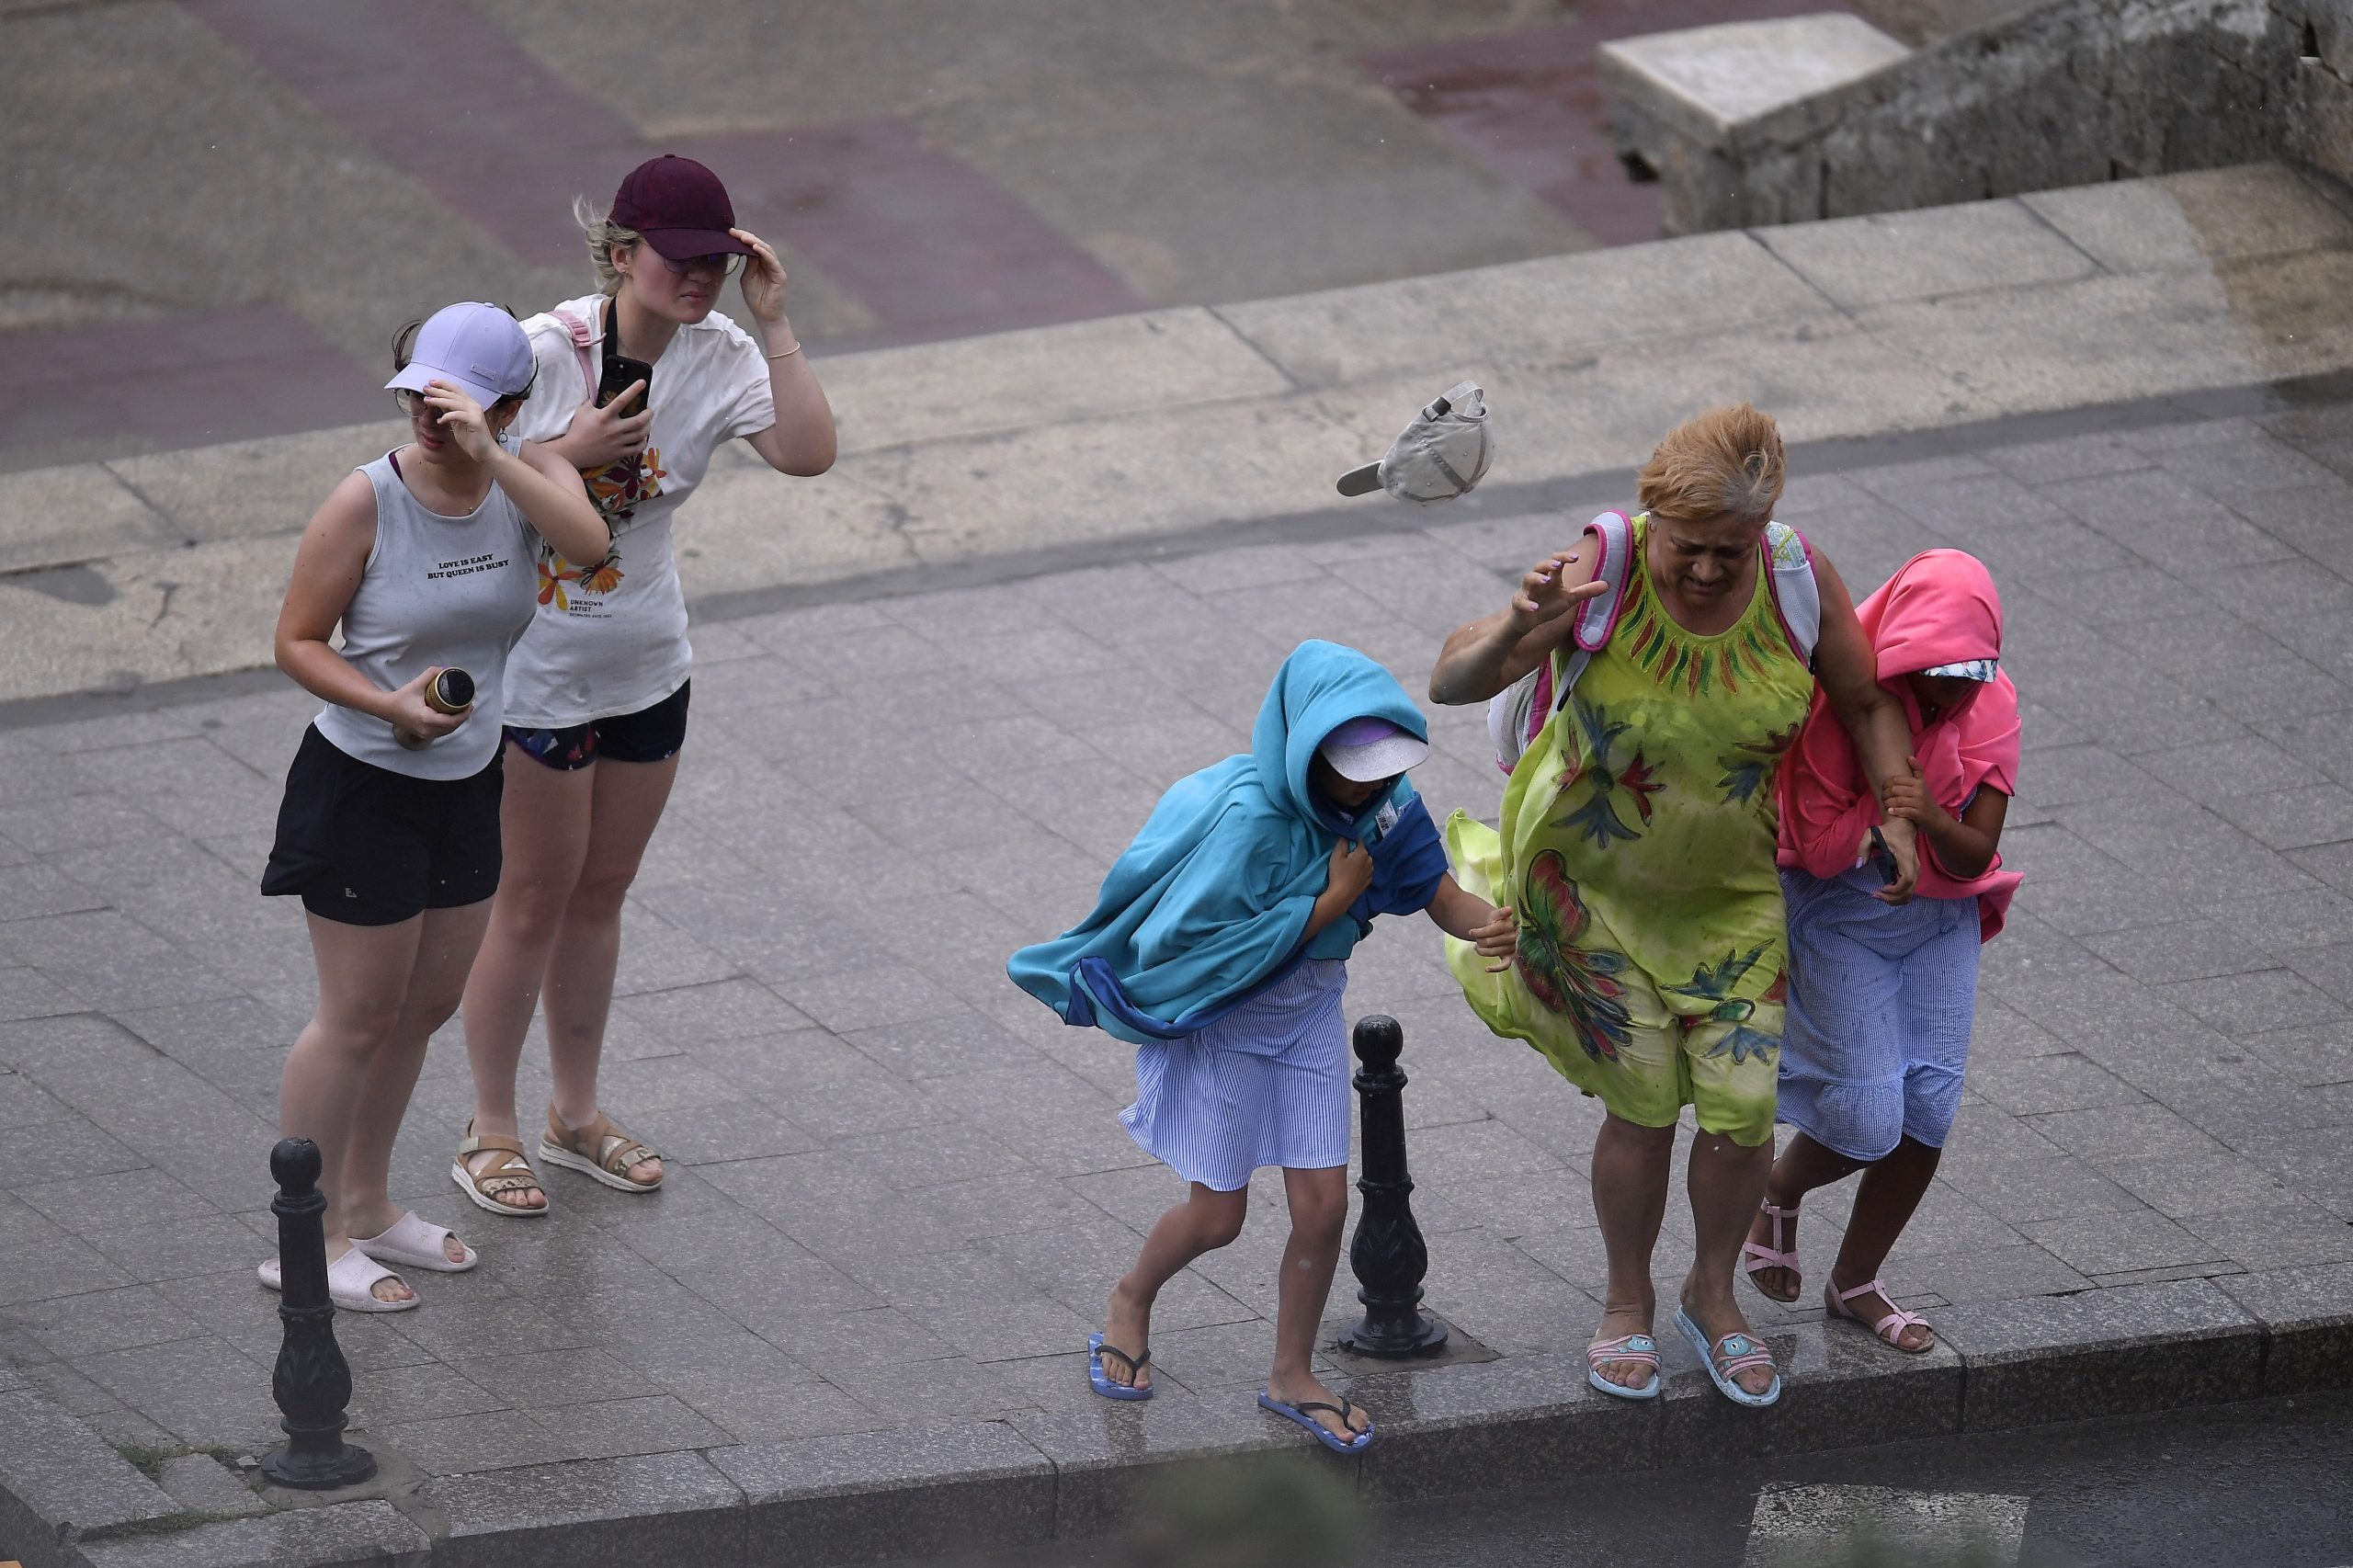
[(1883, 993)]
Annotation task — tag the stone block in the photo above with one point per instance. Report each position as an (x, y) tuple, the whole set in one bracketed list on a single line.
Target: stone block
[(346, 1535), (976, 385), (1700, 82), (1896, 256), (1111, 1462), (869, 1498), (1547, 310), (663, 1507), (2108, 1352), (61, 516), (56, 1475), (204, 1486), (2307, 1314), (2195, 218)]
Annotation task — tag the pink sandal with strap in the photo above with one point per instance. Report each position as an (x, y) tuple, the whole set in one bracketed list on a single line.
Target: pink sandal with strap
[(1889, 1328), (1754, 1256)]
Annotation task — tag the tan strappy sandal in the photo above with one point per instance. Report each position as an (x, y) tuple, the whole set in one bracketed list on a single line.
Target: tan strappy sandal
[(510, 1173), (597, 1149)]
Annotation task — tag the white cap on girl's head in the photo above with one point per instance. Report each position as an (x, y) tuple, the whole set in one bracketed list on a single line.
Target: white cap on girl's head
[(478, 347), (1365, 751)]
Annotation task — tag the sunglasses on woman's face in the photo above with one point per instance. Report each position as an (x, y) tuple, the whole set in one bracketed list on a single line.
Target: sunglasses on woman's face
[(718, 263)]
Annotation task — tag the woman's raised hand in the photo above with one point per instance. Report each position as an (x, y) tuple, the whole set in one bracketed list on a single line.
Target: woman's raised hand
[(600, 437), (1540, 599), (762, 277), (462, 418)]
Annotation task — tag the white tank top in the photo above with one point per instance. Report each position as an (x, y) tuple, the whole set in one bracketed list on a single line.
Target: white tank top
[(438, 591)]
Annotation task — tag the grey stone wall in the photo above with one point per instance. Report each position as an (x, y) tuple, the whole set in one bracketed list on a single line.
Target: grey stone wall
[(2071, 92)]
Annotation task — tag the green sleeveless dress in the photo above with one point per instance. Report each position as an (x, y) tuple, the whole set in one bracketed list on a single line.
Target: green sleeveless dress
[(1637, 847)]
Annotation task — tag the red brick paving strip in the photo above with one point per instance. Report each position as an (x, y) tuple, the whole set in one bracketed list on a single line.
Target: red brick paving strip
[(923, 240), (1529, 104), (188, 380)]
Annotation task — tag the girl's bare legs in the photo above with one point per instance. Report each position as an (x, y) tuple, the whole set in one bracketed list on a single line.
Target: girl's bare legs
[(445, 943), (1630, 1171), (1319, 1212), (575, 839), (1884, 1200), (1804, 1164), (1206, 1221), (363, 975), (625, 809)]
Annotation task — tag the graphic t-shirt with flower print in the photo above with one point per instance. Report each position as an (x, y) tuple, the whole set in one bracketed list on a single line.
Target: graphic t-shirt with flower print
[(610, 637)]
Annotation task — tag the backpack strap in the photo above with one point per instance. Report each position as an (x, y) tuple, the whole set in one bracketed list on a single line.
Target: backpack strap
[(581, 337), (1517, 714), (1599, 620), (1797, 595)]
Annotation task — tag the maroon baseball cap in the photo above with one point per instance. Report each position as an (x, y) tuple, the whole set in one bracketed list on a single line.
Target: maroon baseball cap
[(679, 207)]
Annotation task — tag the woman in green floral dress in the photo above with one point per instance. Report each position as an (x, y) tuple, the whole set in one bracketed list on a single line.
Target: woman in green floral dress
[(1637, 847)]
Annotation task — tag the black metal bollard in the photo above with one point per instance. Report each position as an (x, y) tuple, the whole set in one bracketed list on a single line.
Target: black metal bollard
[(1387, 1255), (312, 1384)]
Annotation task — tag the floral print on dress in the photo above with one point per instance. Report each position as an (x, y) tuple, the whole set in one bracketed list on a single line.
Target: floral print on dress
[(1598, 771), (1577, 984), (1714, 984), (1749, 767)]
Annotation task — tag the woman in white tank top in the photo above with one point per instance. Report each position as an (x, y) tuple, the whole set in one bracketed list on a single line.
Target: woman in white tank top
[(389, 831)]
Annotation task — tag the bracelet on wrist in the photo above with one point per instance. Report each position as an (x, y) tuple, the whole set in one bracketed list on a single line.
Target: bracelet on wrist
[(784, 353)]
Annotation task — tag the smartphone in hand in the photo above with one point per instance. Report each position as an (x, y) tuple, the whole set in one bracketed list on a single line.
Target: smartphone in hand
[(621, 372)]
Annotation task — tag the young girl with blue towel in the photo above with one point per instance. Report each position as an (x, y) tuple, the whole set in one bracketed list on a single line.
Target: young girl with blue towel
[(1217, 948)]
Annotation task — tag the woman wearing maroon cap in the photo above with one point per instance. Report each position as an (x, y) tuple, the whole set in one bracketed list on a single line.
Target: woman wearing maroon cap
[(598, 689)]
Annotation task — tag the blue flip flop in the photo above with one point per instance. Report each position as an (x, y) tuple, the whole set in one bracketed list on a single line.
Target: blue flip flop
[(1095, 1351), (1740, 1352), (1301, 1413)]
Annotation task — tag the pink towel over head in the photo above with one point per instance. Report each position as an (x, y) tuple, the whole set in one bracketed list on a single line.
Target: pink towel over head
[(1940, 608)]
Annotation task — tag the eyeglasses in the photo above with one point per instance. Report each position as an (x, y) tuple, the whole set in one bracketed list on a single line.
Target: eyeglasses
[(720, 263)]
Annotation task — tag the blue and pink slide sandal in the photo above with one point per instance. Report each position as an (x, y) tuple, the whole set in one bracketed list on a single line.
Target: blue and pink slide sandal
[(1733, 1353)]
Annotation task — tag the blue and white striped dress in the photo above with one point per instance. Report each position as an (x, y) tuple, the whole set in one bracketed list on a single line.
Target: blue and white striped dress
[(1267, 1084)]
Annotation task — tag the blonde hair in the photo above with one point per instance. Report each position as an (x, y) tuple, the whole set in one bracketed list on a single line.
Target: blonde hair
[(1726, 462), (605, 237)]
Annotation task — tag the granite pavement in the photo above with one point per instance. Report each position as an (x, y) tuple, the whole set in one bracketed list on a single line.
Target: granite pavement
[(898, 1191)]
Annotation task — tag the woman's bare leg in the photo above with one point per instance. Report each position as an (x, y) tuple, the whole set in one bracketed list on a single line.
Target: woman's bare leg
[(363, 977), (578, 986), (1630, 1171), (445, 952), (544, 826)]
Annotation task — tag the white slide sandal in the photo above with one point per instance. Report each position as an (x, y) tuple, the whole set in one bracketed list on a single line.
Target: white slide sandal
[(413, 1242), (351, 1283)]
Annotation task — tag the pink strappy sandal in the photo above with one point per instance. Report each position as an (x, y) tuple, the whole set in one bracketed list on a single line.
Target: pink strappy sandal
[(1889, 1327), (1754, 1256)]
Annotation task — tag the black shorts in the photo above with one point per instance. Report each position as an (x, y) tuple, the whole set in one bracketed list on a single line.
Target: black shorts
[(650, 735), (368, 846)]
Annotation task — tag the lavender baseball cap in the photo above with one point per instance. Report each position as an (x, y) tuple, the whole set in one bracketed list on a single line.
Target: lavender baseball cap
[(1365, 751), (478, 347)]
